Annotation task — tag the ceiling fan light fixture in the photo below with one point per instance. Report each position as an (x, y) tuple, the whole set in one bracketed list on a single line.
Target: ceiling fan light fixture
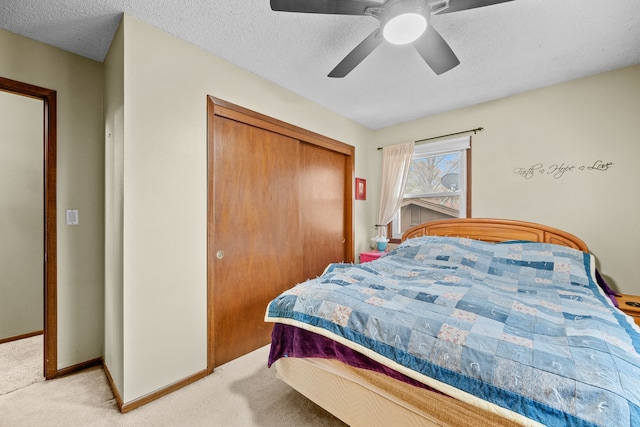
[(404, 28)]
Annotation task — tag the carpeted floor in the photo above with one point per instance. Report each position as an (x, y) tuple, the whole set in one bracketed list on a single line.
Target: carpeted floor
[(243, 392), (21, 364)]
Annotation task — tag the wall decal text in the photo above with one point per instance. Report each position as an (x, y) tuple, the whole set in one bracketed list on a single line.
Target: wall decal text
[(557, 171)]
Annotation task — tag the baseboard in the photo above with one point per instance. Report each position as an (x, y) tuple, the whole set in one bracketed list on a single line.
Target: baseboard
[(112, 385), (130, 406), (79, 367), (20, 337)]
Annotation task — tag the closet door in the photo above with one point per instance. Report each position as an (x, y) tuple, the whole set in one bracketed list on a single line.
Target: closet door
[(280, 208), (322, 207), (256, 232)]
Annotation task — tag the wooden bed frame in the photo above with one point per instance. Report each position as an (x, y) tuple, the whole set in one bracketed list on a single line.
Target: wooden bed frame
[(363, 398), (496, 230)]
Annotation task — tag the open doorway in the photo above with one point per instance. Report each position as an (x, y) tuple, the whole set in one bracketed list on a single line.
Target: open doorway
[(47, 265)]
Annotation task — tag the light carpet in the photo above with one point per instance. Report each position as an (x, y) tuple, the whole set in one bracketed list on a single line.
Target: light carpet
[(21, 364), (243, 392)]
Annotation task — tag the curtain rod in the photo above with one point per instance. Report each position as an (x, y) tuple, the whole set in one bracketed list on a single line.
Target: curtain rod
[(476, 130)]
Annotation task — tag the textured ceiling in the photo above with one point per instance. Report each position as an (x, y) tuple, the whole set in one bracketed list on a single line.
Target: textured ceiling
[(504, 49)]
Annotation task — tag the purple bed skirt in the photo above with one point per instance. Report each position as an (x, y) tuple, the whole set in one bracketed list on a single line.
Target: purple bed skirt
[(289, 341)]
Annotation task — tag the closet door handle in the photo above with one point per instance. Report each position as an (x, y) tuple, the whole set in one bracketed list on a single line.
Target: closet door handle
[(220, 254)]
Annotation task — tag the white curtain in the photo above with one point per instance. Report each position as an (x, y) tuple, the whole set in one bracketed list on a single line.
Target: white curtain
[(396, 160)]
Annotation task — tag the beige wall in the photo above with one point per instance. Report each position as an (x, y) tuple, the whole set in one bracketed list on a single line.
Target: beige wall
[(114, 209), (21, 215), (80, 185), (576, 124), (166, 82)]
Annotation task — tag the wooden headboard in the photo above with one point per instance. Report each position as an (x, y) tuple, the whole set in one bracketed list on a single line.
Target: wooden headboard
[(496, 230)]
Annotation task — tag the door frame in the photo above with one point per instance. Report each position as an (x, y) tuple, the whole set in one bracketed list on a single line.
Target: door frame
[(219, 107), (48, 96)]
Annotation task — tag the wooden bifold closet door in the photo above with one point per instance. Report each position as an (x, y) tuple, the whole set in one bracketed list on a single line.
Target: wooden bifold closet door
[(279, 211)]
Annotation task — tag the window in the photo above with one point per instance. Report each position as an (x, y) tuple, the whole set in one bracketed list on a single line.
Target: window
[(437, 185)]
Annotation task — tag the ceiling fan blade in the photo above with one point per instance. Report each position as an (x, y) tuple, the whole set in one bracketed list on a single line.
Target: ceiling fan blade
[(334, 7), (358, 54), (435, 51), (458, 5)]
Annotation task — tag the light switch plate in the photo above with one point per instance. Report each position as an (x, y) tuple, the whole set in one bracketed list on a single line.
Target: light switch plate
[(72, 217)]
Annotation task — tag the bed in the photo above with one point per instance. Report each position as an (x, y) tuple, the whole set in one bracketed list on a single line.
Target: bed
[(478, 322)]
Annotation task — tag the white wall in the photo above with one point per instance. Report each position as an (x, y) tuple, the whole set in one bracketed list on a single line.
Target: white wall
[(21, 215), (80, 185), (166, 83), (576, 124)]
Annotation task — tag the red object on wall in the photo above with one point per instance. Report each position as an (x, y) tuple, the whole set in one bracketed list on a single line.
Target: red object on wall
[(361, 189), (370, 256)]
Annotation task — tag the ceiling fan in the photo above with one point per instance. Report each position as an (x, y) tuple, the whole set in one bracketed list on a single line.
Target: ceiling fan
[(401, 22)]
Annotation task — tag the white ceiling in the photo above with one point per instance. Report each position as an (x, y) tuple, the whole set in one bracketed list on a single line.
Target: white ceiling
[(504, 49)]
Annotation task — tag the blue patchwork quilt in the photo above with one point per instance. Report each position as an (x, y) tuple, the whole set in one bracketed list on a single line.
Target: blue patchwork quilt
[(519, 327)]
